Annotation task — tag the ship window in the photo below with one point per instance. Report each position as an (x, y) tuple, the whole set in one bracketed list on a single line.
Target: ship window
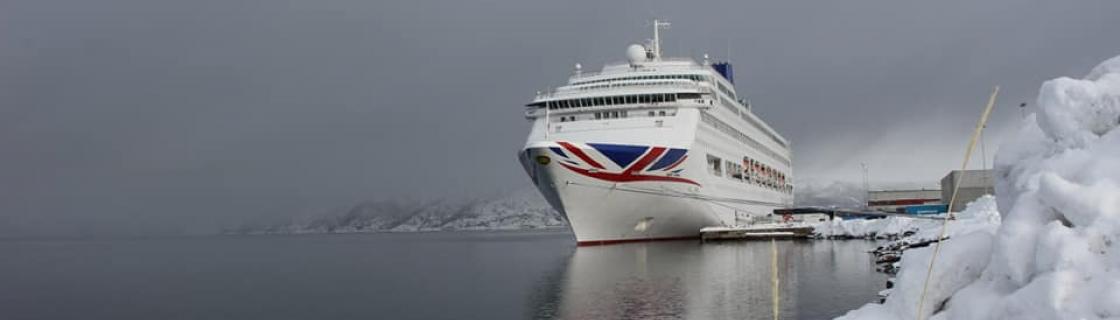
[(661, 113), (735, 170), (684, 96), (714, 165), (598, 116), (651, 113), (614, 114), (616, 100), (631, 99), (599, 101), (623, 113)]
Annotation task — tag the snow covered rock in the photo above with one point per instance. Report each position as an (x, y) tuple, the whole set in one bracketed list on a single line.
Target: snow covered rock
[(1057, 253)]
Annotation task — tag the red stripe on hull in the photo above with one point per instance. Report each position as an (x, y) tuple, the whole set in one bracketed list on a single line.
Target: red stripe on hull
[(623, 177), (579, 153), (644, 161), (618, 241)]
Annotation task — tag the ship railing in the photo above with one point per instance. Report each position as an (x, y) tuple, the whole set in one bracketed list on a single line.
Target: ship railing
[(534, 111), (623, 90), (612, 68)]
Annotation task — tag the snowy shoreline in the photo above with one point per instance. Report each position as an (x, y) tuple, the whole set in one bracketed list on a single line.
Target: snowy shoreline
[(1056, 252), (902, 233)]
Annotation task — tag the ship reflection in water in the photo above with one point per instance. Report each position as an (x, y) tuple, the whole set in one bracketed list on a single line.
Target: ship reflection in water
[(437, 275), (730, 280)]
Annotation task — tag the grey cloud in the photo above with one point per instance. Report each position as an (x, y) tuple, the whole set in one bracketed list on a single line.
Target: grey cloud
[(139, 116)]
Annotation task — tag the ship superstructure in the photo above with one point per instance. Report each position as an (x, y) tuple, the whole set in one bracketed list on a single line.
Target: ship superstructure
[(654, 148)]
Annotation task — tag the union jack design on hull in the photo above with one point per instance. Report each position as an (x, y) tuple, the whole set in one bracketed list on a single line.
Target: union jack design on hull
[(628, 163)]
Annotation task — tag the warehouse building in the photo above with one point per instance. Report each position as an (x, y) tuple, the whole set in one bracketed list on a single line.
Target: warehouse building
[(973, 184), (893, 200)]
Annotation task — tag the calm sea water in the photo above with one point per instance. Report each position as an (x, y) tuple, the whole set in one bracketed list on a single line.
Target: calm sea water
[(477, 275)]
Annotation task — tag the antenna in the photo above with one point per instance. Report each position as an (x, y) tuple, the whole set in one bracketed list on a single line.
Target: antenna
[(657, 25), (728, 47)]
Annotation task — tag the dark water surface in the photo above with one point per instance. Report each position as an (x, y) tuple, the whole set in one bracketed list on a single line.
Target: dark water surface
[(478, 275)]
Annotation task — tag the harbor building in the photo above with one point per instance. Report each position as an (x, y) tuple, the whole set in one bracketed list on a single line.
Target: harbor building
[(893, 200), (973, 185)]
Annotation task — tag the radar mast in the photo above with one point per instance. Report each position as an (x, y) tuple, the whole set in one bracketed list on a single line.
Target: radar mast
[(657, 25)]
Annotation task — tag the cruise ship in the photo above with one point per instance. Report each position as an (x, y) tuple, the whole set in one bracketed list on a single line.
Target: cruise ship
[(654, 148)]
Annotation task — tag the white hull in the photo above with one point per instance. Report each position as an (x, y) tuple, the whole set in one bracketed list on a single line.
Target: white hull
[(602, 209), (602, 212)]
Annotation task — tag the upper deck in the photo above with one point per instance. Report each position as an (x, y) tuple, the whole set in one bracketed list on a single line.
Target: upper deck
[(648, 81), (662, 76)]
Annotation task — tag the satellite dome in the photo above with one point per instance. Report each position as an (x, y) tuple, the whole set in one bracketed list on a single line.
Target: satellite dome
[(636, 53)]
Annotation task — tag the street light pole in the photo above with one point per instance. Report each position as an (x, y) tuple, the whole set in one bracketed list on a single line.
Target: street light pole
[(866, 183)]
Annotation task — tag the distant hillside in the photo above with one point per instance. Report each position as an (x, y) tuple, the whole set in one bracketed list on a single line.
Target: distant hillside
[(522, 209)]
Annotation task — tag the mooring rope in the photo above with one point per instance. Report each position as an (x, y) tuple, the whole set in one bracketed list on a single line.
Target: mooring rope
[(953, 198)]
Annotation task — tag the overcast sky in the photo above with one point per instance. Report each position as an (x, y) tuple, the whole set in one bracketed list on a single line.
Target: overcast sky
[(171, 116)]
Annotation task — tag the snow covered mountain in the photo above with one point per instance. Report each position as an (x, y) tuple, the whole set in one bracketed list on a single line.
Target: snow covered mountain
[(522, 209)]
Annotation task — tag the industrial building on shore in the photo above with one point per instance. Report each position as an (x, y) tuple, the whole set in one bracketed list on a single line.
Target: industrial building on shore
[(973, 185)]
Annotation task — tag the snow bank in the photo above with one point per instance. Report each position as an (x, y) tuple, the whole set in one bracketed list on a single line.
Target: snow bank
[(979, 215), (1057, 253)]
